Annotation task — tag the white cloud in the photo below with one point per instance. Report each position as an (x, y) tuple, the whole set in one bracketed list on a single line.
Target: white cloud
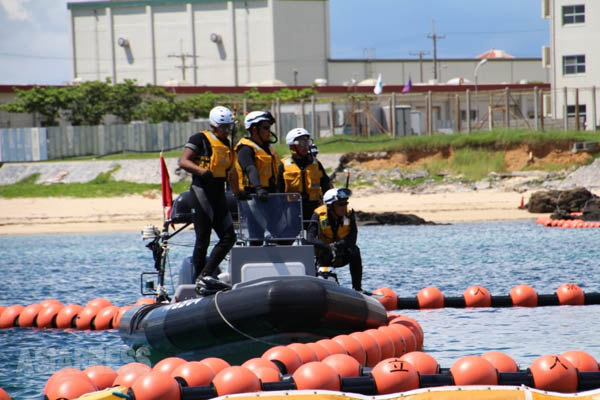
[(15, 9)]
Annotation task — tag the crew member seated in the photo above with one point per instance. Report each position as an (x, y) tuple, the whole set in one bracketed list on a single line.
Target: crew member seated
[(333, 233)]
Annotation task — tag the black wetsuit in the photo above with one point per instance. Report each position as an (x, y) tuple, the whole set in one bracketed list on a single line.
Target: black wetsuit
[(347, 252), (211, 213)]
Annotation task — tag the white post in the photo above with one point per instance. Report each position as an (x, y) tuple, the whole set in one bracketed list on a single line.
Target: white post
[(468, 111)]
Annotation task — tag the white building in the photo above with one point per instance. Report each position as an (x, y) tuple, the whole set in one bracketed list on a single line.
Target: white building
[(199, 42), (573, 57)]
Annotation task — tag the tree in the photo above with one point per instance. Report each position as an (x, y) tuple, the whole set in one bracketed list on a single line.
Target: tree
[(124, 100), (87, 103), (45, 101)]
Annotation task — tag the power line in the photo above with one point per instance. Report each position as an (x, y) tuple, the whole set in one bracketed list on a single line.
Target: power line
[(420, 53), (433, 36)]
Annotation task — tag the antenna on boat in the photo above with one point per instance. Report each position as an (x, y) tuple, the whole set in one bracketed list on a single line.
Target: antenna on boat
[(347, 171)]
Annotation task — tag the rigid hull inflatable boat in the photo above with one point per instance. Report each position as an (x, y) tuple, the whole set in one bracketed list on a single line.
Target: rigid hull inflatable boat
[(275, 298)]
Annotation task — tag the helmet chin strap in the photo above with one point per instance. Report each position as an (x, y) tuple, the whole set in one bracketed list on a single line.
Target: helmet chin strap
[(272, 135)]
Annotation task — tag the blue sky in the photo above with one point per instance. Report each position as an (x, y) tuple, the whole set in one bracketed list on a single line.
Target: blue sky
[(34, 45)]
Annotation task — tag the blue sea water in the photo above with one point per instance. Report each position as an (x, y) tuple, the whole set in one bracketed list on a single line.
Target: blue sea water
[(75, 268)]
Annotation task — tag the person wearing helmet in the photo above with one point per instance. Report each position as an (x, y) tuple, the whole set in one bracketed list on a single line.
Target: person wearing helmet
[(333, 233), (257, 162), (302, 172), (209, 158)]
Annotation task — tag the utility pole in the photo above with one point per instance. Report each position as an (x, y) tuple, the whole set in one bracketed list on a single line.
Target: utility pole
[(183, 56), (420, 53), (433, 36)]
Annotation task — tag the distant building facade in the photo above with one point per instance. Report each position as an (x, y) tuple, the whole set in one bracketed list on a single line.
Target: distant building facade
[(573, 58)]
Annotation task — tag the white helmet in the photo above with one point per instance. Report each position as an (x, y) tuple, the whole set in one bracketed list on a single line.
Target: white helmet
[(336, 194), (295, 134), (256, 116), (220, 115)]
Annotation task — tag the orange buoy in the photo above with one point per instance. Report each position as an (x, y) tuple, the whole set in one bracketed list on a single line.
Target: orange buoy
[(430, 297), (394, 375), (332, 347), (47, 315), (569, 294), (306, 353), (57, 374), (474, 370), (524, 296), (321, 351), (156, 385), (145, 301), (392, 315), (194, 373), (99, 302), (352, 347), (387, 348), (266, 374), (117, 318), (127, 379), (4, 395), (257, 362), (410, 341), (396, 337), (28, 316), (501, 361), (387, 298), (372, 348), (168, 365), (236, 379), (477, 296), (104, 318), (9, 316), (345, 365), (133, 366), (581, 360), (48, 302), (70, 386), (554, 373), (284, 355), (316, 375), (66, 316), (423, 362), (216, 364), (414, 326), (102, 375), (85, 318)]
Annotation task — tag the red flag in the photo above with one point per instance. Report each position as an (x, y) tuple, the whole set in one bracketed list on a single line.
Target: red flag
[(165, 184)]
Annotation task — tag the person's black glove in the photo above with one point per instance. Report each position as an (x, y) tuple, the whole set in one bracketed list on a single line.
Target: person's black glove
[(243, 195), (262, 194), (207, 177)]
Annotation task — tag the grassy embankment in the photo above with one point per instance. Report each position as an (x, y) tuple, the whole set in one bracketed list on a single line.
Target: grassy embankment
[(474, 156)]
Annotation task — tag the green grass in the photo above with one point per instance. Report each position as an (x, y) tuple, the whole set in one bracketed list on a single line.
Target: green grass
[(416, 181)]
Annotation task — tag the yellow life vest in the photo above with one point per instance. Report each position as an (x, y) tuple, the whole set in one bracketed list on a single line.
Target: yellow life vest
[(298, 181), (266, 164), (222, 157), (325, 231)]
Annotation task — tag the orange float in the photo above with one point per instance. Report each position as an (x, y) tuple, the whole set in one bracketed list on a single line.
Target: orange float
[(306, 353), (156, 386), (287, 357), (145, 301), (345, 365), (501, 361), (216, 364), (117, 318), (387, 348), (474, 370), (102, 376), (554, 373), (387, 297), (104, 318), (523, 296), (569, 294), (85, 318), (194, 373), (28, 316), (3, 394), (168, 364), (581, 360), (257, 362), (66, 316), (352, 347), (321, 351), (414, 326), (410, 341), (99, 302), (58, 374), (477, 296), (133, 366), (397, 338), (430, 297), (372, 348), (267, 374), (48, 302), (9, 316), (394, 375), (70, 386), (47, 315), (236, 379), (316, 375), (332, 347), (423, 362)]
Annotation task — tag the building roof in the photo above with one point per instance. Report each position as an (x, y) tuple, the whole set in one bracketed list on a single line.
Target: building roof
[(495, 53)]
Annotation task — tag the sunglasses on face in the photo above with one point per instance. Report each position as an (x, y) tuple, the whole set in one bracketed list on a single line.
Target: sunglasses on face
[(265, 127), (341, 203)]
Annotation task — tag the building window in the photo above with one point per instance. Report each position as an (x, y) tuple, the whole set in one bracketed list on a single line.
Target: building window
[(573, 14), (571, 111), (573, 65)]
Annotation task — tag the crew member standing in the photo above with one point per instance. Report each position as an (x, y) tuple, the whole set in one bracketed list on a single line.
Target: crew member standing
[(257, 162), (302, 172), (209, 158), (334, 235)]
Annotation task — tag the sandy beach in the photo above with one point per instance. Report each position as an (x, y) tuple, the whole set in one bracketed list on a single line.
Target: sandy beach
[(132, 213)]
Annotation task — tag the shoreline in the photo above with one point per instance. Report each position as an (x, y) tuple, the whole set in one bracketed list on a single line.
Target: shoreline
[(132, 213)]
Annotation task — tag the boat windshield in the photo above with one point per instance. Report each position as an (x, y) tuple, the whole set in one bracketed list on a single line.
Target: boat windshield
[(279, 218)]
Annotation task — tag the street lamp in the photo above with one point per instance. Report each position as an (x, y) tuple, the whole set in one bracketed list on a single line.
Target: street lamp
[(479, 64)]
